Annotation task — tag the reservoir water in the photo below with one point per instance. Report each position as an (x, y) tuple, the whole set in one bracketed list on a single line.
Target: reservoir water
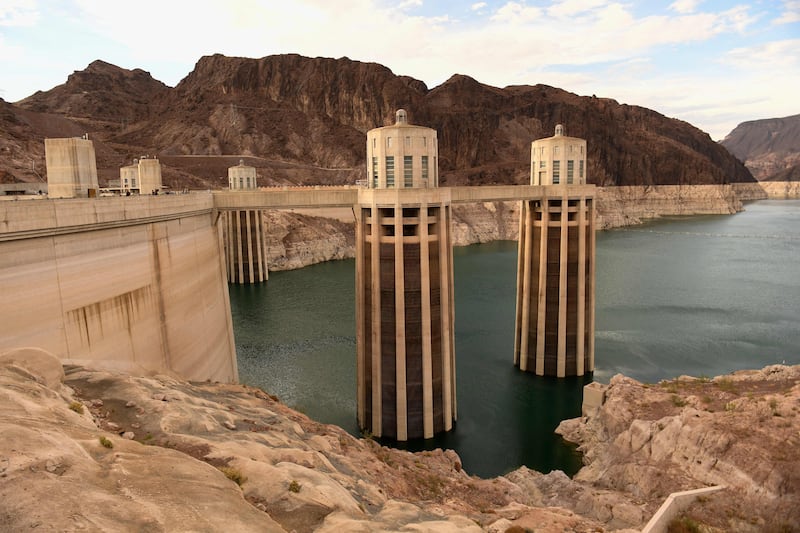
[(692, 295)]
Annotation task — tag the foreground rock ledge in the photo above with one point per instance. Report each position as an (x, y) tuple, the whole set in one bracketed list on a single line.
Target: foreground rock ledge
[(103, 451)]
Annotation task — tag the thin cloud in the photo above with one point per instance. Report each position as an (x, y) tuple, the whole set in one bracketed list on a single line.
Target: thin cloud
[(790, 13), (410, 3), (478, 6), (517, 14), (684, 6), (775, 56), (19, 13), (739, 18), (571, 8)]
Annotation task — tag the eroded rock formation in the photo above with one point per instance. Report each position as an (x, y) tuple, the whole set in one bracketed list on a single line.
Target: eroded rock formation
[(739, 430), (113, 452)]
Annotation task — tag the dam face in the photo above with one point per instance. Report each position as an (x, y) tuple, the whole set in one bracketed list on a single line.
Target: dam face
[(135, 284)]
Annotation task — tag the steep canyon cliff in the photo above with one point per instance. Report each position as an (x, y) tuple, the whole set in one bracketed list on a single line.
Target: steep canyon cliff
[(303, 120)]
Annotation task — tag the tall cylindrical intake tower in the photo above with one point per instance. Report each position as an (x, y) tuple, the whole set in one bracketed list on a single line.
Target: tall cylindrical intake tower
[(404, 288), (556, 263)]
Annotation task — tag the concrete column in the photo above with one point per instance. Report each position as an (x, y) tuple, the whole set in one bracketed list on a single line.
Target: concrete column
[(244, 231), (561, 365), (581, 333), (228, 235), (375, 356), (591, 252), (239, 249), (521, 295), (542, 287), (581, 323), (400, 325), (524, 283), (361, 404), (419, 407), (249, 237), (448, 315), (261, 245), (425, 289)]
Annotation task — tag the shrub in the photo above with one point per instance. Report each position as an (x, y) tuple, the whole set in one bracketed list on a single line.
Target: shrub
[(106, 442), (233, 474), (294, 486), (726, 385), (76, 406), (684, 524), (677, 401)]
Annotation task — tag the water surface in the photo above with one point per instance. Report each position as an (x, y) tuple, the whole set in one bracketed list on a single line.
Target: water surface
[(693, 295)]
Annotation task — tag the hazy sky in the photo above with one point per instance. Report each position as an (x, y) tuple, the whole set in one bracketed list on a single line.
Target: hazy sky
[(712, 63)]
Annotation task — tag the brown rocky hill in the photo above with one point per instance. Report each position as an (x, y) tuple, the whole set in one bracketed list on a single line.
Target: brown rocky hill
[(302, 121), (102, 93), (769, 148), (21, 141), (22, 134)]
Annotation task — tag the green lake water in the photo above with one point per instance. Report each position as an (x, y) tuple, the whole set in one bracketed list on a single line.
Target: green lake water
[(693, 295)]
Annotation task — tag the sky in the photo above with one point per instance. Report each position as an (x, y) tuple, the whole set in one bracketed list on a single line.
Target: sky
[(712, 63)]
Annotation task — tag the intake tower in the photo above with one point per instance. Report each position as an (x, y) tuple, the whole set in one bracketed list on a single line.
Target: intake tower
[(245, 232), (404, 288), (556, 263)]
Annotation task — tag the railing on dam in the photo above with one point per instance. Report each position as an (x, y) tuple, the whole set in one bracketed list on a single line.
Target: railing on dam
[(47, 217), (307, 197), (280, 198)]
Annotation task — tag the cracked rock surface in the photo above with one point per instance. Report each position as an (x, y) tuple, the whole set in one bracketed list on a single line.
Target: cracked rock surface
[(91, 450)]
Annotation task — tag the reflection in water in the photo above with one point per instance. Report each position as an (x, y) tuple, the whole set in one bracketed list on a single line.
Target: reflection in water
[(673, 297)]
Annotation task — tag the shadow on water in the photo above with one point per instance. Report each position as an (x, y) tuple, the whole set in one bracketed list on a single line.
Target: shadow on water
[(510, 422)]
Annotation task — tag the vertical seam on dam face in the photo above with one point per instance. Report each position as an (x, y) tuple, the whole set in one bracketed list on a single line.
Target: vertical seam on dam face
[(218, 233), (154, 243), (53, 246)]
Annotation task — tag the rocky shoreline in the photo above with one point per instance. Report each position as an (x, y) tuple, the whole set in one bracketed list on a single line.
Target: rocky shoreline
[(110, 451)]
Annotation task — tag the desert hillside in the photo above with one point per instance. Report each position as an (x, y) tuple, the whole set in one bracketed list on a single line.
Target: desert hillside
[(303, 120), (769, 148)]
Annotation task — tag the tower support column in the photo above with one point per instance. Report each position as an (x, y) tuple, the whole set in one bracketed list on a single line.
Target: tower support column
[(245, 246), (554, 333)]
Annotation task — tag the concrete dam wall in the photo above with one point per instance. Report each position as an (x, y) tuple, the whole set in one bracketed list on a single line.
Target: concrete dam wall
[(136, 284)]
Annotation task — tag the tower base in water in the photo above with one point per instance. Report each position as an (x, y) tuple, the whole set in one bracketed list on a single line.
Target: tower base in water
[(245, 247), (555, 283), (404, 313)]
